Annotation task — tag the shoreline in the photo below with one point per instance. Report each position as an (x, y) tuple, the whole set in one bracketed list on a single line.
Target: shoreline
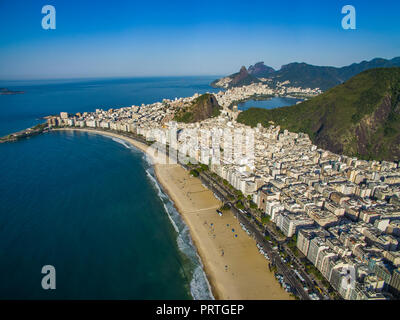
[(210, 235), (144, 148)]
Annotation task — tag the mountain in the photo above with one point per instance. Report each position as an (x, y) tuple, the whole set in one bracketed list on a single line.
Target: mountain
[(260, 70), (309, 76), (360, 117), (204, 107), (242, 78)]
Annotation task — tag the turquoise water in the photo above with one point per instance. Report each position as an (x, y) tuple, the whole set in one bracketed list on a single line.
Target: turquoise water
[(272, 103), (89, 205)]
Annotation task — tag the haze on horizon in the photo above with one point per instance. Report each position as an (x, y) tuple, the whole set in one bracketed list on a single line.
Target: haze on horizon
[(177, 38)]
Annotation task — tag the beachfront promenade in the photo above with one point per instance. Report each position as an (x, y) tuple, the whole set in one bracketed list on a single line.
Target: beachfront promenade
[(251, 225), (226, 197), (240, 272), (255, 228)]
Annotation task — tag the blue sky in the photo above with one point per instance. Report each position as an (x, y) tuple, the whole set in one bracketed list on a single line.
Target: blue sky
[(162, 38)]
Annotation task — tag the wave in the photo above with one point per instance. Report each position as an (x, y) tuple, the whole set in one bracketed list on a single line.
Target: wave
[(160, 193), (148, 160), (123, 142), (170, 218), (199, 286)]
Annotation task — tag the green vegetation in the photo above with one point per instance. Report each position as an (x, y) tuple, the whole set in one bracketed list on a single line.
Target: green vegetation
[(253, 205), (224, 207), (194, 173), (309, 76), (204, 107), (240, 205), (292, 244), (239, 193), (185, 116), (266, 219), (40, 126), (241, 78), (215, 112), (317, 274), (203, 167), (189, 164), (358, 118), (280, 233)]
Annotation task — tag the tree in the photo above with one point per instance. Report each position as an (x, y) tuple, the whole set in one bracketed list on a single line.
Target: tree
[(266, 219), (240, 205), (194, 173), (253, 205), (225, 207)]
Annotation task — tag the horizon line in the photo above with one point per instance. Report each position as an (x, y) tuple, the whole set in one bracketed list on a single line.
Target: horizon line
[(109, 77), (177, 76)]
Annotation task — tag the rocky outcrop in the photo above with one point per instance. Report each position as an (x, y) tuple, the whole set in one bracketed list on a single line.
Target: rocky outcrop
[(260, 70), (204, 107), (242, 78)]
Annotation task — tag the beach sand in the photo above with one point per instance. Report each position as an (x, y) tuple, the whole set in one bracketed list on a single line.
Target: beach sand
[(232, 263)]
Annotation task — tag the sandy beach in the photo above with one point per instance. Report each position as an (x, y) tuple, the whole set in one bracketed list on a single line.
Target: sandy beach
[(233, 265)]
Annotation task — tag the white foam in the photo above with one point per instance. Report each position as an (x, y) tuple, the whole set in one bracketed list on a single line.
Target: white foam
[(123, 142), (199, 286), (161, 194), (148, 159), (170, 219)]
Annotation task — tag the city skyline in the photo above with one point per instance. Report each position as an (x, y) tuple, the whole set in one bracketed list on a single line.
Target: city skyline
[(182, 39)]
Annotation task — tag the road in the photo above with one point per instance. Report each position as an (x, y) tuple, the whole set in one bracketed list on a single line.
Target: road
[(257, 231), (288, 274)]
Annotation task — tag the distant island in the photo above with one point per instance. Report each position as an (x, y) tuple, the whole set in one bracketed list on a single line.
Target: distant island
[(5, 91)]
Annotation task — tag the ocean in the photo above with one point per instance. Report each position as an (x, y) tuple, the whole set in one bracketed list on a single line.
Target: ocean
[(90, 205), (43, 98)]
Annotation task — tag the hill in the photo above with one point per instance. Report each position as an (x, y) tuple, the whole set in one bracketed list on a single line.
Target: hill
[(360, 117), (260, 70), (242, 78), (204, 107), (309, 76)]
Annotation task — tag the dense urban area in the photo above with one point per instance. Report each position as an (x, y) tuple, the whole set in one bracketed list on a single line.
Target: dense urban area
[(328, 224)]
